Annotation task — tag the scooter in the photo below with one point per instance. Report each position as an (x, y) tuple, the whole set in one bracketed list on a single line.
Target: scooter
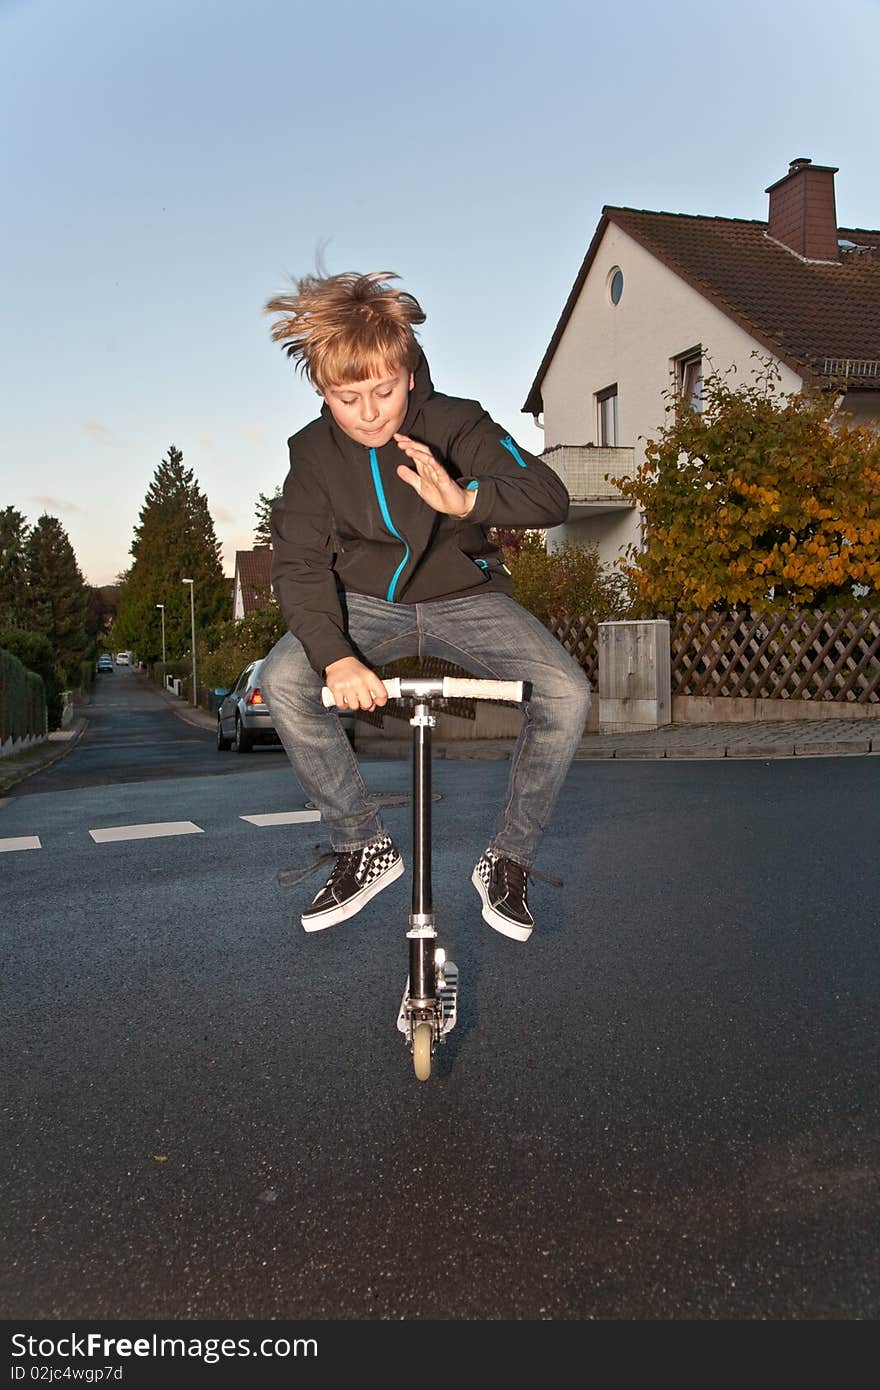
[(429, 1007)]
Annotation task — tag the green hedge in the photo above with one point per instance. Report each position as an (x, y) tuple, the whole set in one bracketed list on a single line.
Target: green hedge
[(22, 699), (179, 669), (34, 651)]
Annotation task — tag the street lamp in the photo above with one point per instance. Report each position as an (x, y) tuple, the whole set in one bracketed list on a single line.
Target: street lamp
[(162, 606), (192, 618)]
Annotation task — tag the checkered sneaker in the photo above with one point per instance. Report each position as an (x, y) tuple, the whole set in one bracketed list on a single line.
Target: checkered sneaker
[(503, 887), (357, 876)]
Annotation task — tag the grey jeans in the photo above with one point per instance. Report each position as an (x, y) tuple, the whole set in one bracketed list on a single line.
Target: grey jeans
[(488, 635)]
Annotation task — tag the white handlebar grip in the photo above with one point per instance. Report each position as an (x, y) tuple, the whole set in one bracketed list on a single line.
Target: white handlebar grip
[(392, 687), (464, 688)]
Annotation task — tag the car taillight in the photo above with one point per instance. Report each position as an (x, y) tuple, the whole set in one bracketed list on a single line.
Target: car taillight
[(255, 697)]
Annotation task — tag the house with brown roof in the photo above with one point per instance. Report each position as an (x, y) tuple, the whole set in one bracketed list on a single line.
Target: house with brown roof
[(252, 585), (662, 297)]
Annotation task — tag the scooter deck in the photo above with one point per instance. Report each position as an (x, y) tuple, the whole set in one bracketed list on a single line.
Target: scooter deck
[(448, 1000)]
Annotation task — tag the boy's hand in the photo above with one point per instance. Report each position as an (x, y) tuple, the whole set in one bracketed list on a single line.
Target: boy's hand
[(354, 686), (431, 481)]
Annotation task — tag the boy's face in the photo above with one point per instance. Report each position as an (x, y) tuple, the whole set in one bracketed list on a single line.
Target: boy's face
[(372, 411)]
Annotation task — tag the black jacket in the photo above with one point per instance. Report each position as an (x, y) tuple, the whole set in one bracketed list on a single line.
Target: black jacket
[(346, 520)]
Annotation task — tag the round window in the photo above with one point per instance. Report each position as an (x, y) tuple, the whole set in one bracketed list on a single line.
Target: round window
[(615, 285)]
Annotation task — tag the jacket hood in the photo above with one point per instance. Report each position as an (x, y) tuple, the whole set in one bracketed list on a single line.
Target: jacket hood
[(423, 389)]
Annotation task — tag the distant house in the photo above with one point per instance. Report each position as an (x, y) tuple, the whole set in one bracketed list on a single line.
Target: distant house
[(252, 585), (663, 297)]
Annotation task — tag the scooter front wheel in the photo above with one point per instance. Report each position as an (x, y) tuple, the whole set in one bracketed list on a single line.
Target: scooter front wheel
[(423, 1035)]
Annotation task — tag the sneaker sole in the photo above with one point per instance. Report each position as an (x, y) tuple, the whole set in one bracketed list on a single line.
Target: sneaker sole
[(495, 919), (343, 911)]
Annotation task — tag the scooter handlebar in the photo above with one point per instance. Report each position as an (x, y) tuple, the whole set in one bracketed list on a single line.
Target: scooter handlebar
[(469, 688), (448, 687)]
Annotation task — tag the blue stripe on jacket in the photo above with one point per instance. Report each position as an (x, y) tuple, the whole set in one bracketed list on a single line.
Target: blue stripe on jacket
[(386, 517)]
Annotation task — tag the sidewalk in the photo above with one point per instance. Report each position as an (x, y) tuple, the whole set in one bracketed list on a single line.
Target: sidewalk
[(794, 738), (41, 755)]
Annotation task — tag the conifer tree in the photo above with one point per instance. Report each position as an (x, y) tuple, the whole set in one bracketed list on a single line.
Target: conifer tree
[(174, 540), (263, 509), (58, 600), (13, 569)]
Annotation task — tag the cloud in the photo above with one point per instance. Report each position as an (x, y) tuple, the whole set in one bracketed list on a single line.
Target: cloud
[(55, 504), (96, 430), (224, 516), (206, 440), (258, 435)]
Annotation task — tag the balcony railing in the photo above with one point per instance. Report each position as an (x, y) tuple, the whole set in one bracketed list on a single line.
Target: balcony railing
[(858, 370), (583, 469)]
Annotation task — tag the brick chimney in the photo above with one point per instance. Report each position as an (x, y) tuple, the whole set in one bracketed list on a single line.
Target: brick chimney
[(802, 211)]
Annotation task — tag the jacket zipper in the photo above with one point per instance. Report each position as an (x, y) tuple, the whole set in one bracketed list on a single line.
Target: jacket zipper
[(386, 517)]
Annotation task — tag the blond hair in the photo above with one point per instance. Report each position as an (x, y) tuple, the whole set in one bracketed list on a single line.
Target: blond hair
[(342, 328)]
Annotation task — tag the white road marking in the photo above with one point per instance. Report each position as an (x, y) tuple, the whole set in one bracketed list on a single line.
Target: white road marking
[(20, 842), (153, 831), (283, 817)]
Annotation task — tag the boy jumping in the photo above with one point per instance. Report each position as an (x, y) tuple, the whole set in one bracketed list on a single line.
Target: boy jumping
[(380, 551)]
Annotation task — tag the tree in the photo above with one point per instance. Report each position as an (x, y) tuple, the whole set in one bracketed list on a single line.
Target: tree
[(174, 540), (232, 644), (765, 499), (102, 608), (569, 581), (58, 599), (263, 510), (13, 568)]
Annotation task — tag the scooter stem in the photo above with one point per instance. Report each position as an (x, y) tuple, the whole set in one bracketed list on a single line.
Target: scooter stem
[(421, 947)]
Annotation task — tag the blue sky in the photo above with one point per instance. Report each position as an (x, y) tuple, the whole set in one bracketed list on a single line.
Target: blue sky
[(167, 163)]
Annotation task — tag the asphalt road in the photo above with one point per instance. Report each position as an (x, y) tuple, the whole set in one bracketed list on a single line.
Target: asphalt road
[(664, 1106), (133, 735)]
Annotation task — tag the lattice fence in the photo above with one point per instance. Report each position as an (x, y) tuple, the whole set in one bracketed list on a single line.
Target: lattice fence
[(580, 636), (795, 655)]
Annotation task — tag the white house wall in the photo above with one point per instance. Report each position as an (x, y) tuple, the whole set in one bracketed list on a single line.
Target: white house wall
[(658, 317)]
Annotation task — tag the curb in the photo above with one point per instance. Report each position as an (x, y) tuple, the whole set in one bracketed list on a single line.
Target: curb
[(377, 750), (81, 723), (197, 718)]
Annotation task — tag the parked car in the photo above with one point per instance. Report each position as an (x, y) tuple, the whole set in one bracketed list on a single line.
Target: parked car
[(104, 663), (123, 658), (243, 718)]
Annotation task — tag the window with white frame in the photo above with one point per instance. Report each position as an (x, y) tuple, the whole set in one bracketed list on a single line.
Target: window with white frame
[(689, 378), (606, 404)]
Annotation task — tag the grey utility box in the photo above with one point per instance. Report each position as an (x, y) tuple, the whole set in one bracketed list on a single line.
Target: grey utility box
[(634, 676)]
